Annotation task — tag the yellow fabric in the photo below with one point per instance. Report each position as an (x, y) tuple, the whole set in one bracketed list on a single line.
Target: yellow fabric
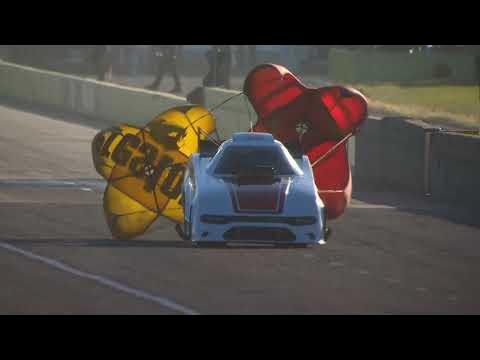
[(125, 217), (188, 119), (144, 167), (105, 143)]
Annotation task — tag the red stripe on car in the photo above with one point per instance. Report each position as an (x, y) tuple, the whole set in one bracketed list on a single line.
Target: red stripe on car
[(258, 198)]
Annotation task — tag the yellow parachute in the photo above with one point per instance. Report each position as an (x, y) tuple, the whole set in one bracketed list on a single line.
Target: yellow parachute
[(144, 167)]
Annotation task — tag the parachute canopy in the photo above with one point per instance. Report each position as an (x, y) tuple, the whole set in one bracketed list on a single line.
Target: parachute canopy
[(144, 167), (314, 119)]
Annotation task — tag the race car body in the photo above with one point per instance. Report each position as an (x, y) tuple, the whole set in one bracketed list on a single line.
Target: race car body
[(252, 190)]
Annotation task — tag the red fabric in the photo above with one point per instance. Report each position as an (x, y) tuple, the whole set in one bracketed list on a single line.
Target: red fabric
[(332, 174), (346, 107), (327, 114)]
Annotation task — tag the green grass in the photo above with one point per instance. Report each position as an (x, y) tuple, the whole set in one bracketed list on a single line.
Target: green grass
[(454, 105)]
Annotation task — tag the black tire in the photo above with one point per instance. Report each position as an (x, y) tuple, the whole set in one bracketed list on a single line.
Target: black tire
[(327, 233), (211, 244), (187, 227), (291, 246)]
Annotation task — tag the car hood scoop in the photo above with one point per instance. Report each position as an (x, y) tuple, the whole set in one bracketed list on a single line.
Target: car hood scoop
[(258, 194)]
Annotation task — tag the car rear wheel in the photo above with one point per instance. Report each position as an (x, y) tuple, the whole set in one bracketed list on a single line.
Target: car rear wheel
[(211, 244), (292, 246), (187, 227)]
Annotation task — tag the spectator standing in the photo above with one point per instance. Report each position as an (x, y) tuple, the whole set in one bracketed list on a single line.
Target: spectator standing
[(133, 60), (211, 77), (252, 55), (102, 59), (240, 57), (224, 60), (220, 65), (4, 52), (477, 68), (166, 60)]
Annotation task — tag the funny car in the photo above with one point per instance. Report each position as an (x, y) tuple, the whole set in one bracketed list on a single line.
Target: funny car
[(251, 189)]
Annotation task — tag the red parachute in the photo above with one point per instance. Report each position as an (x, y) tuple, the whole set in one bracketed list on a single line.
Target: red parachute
[(317, 120)]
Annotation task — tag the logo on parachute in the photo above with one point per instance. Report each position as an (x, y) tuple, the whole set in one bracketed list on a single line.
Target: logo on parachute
[(144, 167)]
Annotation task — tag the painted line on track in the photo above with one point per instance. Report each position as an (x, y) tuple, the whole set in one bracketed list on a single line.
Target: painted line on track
[(101, 280)]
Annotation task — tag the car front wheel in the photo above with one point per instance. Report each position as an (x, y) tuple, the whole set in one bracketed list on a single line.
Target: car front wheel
[(211, 244), (187, 227)]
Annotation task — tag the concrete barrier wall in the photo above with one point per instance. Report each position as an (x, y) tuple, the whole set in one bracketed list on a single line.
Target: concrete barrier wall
[(118, 103), (368, 151), (455, 167), (390, 152), (109, 102)]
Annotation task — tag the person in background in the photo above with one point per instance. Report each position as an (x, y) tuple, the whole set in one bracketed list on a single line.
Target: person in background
[(166, 58), (132, 59), (240, 57), (4, 52), (224, 56), (102, 59), (210, 78), (477, 67), (252, 56), (219, 59)]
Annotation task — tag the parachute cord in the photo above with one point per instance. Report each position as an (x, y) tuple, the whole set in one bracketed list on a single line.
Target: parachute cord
[(225, 101), (332, 150), (211, 110), (216, 107), (200, 130), (249, 114), (208, 136)]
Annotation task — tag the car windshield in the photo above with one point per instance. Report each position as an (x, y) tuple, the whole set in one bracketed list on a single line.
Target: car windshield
[(250, 160)]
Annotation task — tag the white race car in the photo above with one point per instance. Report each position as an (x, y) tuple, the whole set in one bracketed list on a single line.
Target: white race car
[(252, 190)]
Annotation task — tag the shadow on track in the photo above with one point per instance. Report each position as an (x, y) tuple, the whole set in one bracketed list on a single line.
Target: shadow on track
[(167, 244)]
